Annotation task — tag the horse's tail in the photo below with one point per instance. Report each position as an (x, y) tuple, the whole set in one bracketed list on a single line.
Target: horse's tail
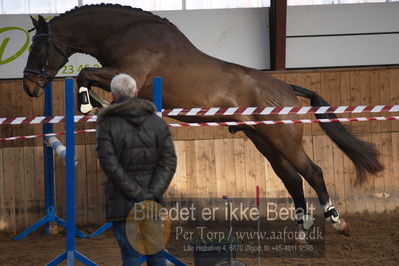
[(363, 154)]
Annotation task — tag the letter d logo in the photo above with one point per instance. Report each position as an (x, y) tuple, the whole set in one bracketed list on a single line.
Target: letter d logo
[(6, 41)]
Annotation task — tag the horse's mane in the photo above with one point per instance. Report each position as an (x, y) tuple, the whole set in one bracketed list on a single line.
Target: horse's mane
[(112, 6)]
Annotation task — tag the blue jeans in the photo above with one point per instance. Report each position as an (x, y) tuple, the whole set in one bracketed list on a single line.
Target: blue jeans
[(131, 257)]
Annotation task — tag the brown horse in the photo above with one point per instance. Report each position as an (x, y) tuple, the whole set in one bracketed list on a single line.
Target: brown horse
[(143, 45)]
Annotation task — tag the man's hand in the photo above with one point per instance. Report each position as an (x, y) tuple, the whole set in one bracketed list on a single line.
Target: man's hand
[(146, 195)]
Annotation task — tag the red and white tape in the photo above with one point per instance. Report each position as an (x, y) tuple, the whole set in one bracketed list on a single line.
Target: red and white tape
[(299, 110), (286, 122), (46, 135), (241, 123), (45, 120)]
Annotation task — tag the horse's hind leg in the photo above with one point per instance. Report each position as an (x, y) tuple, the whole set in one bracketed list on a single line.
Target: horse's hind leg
[(288, 175), (288, 141), (314, 176)]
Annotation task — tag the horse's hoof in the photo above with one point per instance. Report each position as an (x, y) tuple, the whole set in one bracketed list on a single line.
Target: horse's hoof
[(234, 129), (301, 237), (299, 241), (54, 229), (345, 228), (94, 111)]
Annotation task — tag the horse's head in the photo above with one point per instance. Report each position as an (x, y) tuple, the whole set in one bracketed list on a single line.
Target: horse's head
[(45, 59)]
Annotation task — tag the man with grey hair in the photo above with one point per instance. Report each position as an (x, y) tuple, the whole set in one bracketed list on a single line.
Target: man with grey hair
[(123, 85), (136, 153)]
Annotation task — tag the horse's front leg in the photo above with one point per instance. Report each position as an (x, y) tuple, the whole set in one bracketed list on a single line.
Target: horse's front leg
[(98, 77)]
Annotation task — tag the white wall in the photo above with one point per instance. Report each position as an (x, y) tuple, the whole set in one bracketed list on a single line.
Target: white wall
[(242, 36), (236, 35), (354, 50)]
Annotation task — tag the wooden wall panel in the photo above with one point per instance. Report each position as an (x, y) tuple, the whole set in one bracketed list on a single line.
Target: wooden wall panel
[(385, 87), (2, 194), (337, 180), (39, 177), (81, 185), (211, 161), (230, 164), (6, 110), (101, 179), (251, 178), (395, 163), (19, 189), (178, 187), (239, 162), (394, 92), (220, 166), (92, 184), (388, 177), (30, 185), (315, 85), (211, 170), (10, 166), (191, 170), (308, 147), (60, 185)]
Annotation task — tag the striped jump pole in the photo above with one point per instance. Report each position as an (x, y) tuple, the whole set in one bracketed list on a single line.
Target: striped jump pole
[(57, 146)]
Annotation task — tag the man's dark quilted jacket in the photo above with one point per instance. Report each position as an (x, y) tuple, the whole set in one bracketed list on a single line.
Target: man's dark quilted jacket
[(136, 153)]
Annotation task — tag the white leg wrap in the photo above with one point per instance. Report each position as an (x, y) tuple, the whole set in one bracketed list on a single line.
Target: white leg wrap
[(326, 206), (84, 100), (330, 212)]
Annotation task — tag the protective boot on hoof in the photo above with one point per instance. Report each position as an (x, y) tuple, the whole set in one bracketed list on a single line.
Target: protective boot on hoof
[(84, 103), (340, 225)]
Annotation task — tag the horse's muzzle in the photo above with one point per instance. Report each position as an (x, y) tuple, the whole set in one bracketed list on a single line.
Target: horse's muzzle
[(27, 91), (36, 92), (31, 87)]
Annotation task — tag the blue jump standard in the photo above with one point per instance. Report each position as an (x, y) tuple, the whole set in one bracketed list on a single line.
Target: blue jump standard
[(70, 253), (101, 230), (48, 178)]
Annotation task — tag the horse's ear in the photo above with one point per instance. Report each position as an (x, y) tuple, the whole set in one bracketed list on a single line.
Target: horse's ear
[(34, 22), (43, 24)]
